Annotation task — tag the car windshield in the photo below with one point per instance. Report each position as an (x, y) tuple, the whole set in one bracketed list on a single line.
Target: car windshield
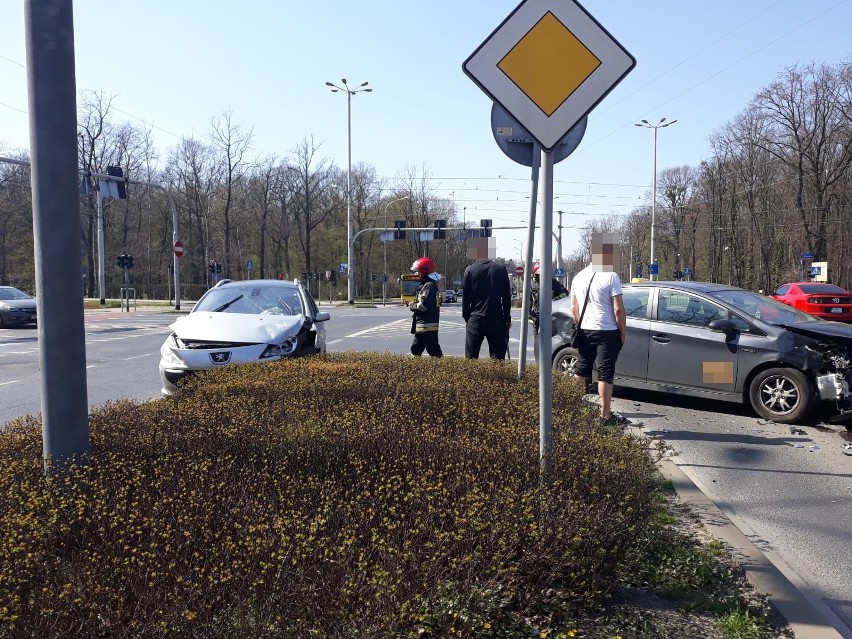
[(251, 300), (13, 294), (764, 308)]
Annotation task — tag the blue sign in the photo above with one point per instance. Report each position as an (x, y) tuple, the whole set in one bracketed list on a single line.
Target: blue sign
[(559, 272), (249, 266), (638, 270), (808, 256), (653, 269), (687, 270), (343, 268)]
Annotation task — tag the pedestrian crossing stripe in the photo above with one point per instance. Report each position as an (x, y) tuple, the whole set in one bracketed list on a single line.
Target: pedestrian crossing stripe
[(403, 327)]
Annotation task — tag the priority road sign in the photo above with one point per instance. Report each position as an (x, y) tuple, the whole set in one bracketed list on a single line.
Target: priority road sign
[(178, 249), (548, 65)]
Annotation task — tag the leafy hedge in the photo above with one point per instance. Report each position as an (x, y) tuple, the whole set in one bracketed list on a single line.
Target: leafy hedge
[(348, 495)]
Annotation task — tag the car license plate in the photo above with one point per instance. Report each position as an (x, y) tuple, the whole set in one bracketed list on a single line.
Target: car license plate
[(836, 310)]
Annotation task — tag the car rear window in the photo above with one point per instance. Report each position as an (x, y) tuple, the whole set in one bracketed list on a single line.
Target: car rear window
[(821, 288)]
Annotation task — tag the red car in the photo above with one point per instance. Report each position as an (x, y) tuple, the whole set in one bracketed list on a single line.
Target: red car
[(827, 301)]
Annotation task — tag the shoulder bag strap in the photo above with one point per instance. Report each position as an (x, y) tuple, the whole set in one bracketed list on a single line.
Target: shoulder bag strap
[(586, 301)]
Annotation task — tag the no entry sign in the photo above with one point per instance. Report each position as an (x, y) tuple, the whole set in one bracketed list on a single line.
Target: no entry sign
[(178, 249)]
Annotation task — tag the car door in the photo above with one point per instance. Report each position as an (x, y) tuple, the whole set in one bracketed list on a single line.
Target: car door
[(632, 363), (683, 352)]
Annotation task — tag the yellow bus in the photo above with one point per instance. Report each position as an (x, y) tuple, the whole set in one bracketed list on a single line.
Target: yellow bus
[(408, 284)]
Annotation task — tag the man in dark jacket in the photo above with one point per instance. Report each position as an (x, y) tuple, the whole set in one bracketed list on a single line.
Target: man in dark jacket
[(426, 310), (558, 292), (487, 308)]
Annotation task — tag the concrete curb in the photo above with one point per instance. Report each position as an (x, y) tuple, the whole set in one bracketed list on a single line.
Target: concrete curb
[(809, 618)]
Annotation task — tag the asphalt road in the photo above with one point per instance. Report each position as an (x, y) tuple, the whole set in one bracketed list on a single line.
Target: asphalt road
[(789, 492)]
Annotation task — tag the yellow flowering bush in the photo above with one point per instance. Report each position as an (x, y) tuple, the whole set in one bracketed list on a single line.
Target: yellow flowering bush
[(348, 495)]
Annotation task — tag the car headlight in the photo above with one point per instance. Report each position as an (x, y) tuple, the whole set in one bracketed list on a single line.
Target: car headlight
[(285, 348), (167, 354)]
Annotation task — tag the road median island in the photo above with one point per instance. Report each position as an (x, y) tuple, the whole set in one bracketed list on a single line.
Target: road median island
[(353, 495)]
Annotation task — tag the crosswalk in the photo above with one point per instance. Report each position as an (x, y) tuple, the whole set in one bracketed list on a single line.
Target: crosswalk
[(403, 327)]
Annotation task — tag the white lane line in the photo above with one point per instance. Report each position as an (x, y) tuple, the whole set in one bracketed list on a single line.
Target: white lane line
[(334, 341), (127, 359), (14, 381)]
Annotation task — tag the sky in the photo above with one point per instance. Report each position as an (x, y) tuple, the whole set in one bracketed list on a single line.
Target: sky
[(176, 65)]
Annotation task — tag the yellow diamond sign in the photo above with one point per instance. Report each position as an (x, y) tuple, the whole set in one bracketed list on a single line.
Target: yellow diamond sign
[(536, 64), (548, 65)]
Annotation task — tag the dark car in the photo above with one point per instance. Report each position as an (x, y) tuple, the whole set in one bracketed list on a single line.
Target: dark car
[(16, 307), (828, 301), (240, 322), (725, 343), (449, 295)]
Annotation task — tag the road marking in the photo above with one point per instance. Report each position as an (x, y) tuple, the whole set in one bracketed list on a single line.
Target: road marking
[(127, 359), (402, 327), (14, 381)]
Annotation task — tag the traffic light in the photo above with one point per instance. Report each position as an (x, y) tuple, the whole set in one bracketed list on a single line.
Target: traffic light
[(218, 268), (399, 233), (120, 261), (372, 277), (211, 267), (486, 228), (122, 185), (128, 260), (440, 233)]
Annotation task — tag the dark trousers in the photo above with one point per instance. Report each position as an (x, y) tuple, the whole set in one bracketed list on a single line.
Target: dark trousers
[(426, 342), (496, 336)]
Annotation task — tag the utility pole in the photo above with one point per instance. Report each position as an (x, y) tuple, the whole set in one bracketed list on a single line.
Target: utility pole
[(51, 83)]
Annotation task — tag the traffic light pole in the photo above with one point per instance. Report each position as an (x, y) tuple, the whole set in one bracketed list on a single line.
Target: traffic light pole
[(101, 273)]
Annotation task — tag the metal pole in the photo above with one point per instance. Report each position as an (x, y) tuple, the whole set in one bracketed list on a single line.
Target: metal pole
[(101, 273), (525, 300), (559, 262), (545, 374), (651, 276), (51, 83), (350, 271)]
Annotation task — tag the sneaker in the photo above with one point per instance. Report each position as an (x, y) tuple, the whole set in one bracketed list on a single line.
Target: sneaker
[(615, 419)]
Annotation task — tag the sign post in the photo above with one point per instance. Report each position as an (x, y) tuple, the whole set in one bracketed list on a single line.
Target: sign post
[(547, 65)]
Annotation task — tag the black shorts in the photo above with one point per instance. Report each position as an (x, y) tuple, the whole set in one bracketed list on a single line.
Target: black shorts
[(603, 346)]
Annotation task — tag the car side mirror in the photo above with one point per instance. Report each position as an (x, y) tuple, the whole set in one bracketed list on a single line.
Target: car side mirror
[(724, 325), (322, 316)]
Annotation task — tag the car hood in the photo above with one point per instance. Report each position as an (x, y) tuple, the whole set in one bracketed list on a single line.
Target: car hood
[(823, 330), (236, 327), (26, 304)]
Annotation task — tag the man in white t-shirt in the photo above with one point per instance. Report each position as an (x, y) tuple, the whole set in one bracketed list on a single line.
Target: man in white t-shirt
[(604, 323)]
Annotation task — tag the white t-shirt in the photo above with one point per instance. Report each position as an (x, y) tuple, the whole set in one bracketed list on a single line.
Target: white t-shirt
[(600, 312)]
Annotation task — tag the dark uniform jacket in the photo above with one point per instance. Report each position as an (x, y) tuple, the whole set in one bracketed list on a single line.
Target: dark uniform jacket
[(559, 292), (425, 307), (487, 298)]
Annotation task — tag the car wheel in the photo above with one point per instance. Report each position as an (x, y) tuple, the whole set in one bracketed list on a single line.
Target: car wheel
[(565, 361), (784, 395)]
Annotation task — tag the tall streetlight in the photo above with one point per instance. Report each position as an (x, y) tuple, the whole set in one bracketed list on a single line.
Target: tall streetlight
[(349, 93), (385, 248), (658, 125)]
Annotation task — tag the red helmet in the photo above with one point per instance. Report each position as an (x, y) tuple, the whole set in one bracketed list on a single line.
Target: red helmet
[(536, 269), (424, 266)]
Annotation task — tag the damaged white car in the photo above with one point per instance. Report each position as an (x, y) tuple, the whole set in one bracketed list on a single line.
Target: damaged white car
[(236, 322)]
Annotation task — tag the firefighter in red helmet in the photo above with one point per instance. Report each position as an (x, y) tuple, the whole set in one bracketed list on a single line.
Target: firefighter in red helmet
[(426, 310)]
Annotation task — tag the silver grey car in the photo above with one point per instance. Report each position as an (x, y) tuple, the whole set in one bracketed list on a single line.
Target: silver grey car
[(16, 307), (725, 343)]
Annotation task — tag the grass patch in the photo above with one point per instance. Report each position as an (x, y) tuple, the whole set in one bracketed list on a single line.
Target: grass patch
[(349, 495)]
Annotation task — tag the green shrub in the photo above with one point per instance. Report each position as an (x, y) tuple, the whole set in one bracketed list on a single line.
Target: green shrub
[(339, 496)]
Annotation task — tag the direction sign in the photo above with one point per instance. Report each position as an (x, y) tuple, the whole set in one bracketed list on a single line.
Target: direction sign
[(808, 256), (178, 249), (548, 65)]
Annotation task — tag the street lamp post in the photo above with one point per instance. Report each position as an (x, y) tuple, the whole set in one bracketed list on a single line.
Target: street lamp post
[(385, 248), (349, 93), (658, 125)]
